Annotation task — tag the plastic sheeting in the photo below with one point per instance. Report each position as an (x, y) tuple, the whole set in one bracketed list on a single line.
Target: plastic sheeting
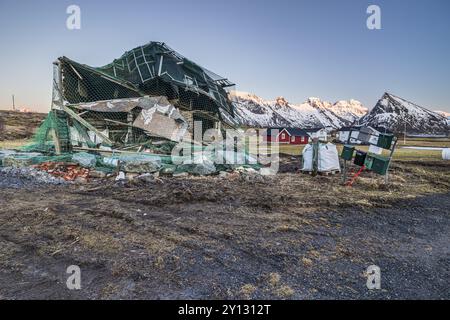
[(158, 116), (163, 120), (328, 158), (85, 160)]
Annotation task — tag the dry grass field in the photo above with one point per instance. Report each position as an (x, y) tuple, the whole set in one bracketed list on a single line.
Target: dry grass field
[(244, 236)]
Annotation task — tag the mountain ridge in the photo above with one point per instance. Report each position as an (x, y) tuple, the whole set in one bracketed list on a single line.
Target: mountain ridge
[(400, 115), (252, 110)]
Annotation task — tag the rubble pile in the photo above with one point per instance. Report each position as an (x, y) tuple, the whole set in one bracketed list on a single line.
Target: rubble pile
[(126, 124), (11, 177), (66, 171), (82, 167)]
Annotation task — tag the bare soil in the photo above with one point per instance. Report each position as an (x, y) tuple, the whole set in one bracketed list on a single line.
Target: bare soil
[(291, 236)]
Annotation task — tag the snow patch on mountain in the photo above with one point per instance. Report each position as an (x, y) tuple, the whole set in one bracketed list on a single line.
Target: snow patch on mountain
[(350, 110)]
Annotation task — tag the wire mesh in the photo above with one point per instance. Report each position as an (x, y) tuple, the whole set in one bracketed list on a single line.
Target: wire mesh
[(150, 70)]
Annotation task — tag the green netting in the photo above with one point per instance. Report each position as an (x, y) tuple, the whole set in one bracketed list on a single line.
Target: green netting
[(60, 158), (152, 70), (201, 163), (97, 109), (42, 140)]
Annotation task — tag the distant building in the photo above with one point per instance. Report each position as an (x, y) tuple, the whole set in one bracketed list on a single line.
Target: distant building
[(294, 136), (320, 133)]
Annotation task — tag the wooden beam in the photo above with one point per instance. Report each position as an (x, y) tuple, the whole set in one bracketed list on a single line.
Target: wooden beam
[(74, 115), (76, 72), (56, 141), (81, 130), (119, 123), (115, 151)]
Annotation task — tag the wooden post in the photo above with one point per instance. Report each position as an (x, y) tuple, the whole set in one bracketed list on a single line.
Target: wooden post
[(56, 141), (344, 172), (315, 156), (130, 127), (386, 176)]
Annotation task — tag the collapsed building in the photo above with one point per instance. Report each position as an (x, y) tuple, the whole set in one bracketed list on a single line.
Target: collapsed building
[(137, 116), (149, 92)]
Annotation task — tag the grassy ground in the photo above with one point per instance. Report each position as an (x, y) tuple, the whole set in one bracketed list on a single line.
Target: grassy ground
[(14, 144), (288, 236), (19, 125), (399, 154), (425, 142)]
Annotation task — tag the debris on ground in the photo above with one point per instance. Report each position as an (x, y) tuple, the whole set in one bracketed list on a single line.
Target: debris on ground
[(67, 171), (85, 159), (19, 177), (141, 165), (120, 176)]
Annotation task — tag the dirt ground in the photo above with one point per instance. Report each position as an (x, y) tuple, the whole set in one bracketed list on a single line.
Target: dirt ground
[(291, 236)]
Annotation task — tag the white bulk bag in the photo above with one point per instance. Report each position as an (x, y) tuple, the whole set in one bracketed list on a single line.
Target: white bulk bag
[(328, 158), (307, 155), (446, 154)]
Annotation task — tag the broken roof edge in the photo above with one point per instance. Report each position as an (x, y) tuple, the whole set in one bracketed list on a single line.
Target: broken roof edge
[(130, 85), (218, 98), (218, 79), (109, 77), (137, 100)]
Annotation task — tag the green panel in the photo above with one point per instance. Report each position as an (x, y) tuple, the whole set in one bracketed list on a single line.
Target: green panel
[(360, 157), (377, 163), (368, 162), (347, 153), (380, 166), (385, 141)]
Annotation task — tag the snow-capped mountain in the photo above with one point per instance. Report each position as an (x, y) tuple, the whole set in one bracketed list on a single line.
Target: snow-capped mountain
[(350, 110), (254, 111), (394, 113)]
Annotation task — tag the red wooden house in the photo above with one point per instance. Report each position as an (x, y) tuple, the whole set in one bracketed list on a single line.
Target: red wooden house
[(287, 135)]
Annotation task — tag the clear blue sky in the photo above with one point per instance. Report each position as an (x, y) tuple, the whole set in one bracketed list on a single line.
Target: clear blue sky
[(292, 48)]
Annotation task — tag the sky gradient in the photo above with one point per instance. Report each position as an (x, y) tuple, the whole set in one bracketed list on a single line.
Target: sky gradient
[(296, 49)]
